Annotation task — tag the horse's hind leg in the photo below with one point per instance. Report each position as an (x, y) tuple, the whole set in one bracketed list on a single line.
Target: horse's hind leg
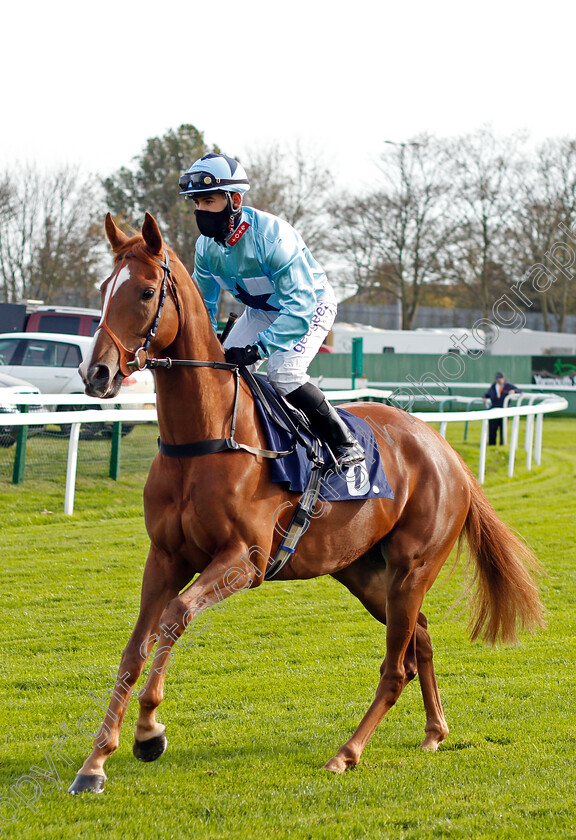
[(436, 727), (394, 600), (418, 660)]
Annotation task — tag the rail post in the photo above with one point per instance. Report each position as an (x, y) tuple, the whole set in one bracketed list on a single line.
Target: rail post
[(482, 459), (114, 471), (513, 444), (538, 439), (529, 440), (20, 457), (357, 360), (70, 490)]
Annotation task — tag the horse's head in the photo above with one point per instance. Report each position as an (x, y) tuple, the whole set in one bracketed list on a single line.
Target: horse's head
[(137, 293)]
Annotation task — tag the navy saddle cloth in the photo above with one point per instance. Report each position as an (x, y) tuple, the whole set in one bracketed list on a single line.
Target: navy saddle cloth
[(362, 481)]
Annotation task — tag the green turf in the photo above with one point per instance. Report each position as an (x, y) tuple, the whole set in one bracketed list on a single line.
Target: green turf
[(280, 681)]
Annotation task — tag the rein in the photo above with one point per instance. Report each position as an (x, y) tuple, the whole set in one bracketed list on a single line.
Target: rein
[(141, 361)]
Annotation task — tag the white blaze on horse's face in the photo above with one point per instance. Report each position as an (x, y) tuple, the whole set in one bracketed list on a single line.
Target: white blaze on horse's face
[(122, 276)]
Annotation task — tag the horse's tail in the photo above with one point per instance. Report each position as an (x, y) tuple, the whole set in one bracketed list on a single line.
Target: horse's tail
[(504, 595)]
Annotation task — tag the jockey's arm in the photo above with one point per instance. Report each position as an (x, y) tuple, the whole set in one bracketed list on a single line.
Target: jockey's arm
[(297, 280)]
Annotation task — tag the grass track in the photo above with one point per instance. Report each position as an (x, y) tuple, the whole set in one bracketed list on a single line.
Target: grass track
[(280, 681)]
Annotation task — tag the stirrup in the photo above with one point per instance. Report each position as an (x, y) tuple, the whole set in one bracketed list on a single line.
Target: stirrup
[(348, 455)]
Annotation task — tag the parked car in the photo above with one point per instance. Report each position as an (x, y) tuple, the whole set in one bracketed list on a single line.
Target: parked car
[(34, 317), (50, 362), (12, 385)]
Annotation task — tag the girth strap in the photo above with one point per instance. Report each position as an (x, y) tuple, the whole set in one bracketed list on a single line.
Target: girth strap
[(208, 447)]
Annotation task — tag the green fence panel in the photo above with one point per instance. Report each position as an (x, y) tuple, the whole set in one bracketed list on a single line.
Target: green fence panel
[(398, 367)]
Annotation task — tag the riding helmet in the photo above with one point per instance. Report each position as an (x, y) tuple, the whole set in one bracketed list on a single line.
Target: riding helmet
[(214, 173)]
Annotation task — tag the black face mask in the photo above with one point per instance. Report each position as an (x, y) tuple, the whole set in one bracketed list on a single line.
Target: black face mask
[(215, 225)]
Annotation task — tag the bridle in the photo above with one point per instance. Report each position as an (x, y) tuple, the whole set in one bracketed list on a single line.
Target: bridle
[(166, 279), (140, 356), (141, 361)]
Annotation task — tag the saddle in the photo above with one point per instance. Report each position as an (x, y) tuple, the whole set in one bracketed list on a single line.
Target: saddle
[(298, 459), (306, 466)]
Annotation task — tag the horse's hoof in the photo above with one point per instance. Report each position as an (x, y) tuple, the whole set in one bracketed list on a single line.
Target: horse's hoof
[(85, 783), (336, 765), (150, 750), (433, 740), (429, 744)]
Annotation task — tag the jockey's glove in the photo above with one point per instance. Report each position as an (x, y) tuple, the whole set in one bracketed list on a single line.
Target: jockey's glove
[(244, 356)]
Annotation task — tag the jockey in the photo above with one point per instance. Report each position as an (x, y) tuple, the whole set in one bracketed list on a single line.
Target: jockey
[(290, 305)]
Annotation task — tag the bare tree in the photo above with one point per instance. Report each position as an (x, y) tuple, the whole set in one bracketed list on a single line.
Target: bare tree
[(49, 244), (394, 237), (545, 232), (6, 196), (484, 170), (295, 185), (17, 227)]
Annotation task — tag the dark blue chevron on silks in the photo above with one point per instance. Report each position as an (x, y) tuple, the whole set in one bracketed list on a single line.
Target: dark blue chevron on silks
[(230, 161), (254, 301)]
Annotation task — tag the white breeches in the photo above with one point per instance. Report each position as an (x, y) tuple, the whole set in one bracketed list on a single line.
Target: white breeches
[(287, 369)]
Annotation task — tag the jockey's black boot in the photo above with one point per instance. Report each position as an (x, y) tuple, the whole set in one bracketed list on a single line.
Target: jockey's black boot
[(327, 423)]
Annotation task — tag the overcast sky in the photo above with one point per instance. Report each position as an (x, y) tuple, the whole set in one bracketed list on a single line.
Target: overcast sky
[(88, 83)]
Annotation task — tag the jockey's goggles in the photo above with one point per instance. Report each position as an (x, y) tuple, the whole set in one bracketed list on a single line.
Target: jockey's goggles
[(205, 182)]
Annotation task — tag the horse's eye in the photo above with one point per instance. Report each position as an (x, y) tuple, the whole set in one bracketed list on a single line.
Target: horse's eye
[(148, 294)]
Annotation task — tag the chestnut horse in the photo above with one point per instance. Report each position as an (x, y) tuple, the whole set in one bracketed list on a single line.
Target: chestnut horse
[(219, 517)]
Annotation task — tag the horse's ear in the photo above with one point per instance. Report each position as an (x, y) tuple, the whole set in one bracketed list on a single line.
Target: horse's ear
[(151, 234), (116, 237)]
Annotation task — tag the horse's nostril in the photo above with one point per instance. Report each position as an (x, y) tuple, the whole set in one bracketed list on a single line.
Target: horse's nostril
[(99, 373), (100, 382)]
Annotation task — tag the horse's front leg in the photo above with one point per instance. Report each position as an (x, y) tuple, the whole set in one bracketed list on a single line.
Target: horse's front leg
[(226, 575), (160, 583)]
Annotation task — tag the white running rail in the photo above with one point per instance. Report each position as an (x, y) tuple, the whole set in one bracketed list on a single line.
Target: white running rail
[(534, 414)]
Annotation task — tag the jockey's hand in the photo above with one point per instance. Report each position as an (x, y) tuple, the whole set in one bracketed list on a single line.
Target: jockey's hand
[(244, 356)]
